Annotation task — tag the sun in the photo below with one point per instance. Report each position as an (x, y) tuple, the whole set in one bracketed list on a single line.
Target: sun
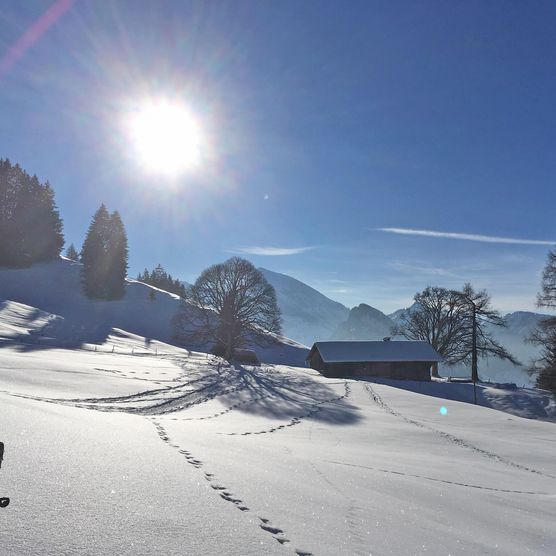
[(165, 137)]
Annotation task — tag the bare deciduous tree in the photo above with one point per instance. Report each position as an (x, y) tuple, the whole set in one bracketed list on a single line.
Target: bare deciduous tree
[(229, 304), (478, 341), (458, 324), (437, 319), (545, 334), (547, 296)]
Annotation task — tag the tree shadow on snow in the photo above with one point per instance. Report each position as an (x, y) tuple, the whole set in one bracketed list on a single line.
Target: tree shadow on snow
[(287, 394)]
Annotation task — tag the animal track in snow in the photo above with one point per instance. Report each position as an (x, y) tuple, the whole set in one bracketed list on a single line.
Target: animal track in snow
[(223, 491)]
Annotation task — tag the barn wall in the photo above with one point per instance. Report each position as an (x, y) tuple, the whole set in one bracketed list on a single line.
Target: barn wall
[(316, 361), (406, 370)]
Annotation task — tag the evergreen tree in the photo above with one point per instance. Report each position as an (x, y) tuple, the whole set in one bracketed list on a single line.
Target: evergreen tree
[(118, 254), (71, 253), (94, 254), (161, 279), (104, 256), (30, 224)]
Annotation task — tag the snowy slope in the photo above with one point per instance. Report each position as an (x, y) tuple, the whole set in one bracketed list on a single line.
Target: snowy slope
[(308, 315), (184, 454), (53, 293)]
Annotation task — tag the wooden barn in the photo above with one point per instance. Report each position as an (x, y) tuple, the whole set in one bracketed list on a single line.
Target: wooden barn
[(387, 359)]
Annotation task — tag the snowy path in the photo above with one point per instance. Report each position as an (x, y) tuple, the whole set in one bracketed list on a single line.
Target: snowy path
[(210, 458)]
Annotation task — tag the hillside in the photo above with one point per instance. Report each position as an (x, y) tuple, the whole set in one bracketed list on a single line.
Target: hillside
[(307, 314), (108, 453), (65, 317), (130, 445)]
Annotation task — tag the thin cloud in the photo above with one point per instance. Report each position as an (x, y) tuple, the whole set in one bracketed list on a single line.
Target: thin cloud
[(272, 251), (466, 237)]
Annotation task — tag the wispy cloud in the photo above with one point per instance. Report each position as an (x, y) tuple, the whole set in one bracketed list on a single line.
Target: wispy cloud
[(467, 237), (413, 268), (271, 251)]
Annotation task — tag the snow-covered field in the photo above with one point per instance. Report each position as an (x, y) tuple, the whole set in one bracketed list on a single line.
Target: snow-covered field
[(112, 453)]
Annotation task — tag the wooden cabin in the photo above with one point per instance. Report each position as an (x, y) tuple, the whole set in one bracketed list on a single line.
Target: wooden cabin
[(400, 360)]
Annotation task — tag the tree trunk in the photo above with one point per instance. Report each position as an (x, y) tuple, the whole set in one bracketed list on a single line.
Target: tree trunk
[(474, 369)]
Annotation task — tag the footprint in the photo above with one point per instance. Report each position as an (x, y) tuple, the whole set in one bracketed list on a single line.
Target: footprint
[(270, 529)]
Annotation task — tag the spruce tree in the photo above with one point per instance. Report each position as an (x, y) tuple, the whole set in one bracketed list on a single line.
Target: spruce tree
[(118, 253), (71, 253), (94, 254), (104, 256), (30, 224), (159, 278)]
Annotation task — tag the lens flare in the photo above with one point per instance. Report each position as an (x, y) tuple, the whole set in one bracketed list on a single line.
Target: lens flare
[(443, 410)]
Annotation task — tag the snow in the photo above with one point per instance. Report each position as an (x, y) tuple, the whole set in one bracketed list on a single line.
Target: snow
[(55, 290), (141, 447), (333, 352), (108, 452)]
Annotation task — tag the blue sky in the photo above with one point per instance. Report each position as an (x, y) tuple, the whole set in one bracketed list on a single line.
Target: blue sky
[(334, 127)]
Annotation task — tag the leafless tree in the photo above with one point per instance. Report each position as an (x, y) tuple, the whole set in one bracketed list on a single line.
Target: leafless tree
[(545, 334), (437, 318), (547, 296), (478, 340), (230, 305), (458, 324)]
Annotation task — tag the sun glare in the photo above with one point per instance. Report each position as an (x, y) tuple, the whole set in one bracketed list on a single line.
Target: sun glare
[(166, 138)]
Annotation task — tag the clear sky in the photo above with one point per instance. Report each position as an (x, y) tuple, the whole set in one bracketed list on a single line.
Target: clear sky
[(332, 129)]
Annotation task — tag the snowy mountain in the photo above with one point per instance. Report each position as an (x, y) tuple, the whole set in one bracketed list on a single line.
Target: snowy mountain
[(307, 314), (52, 293), (398, 315), (364, 323)]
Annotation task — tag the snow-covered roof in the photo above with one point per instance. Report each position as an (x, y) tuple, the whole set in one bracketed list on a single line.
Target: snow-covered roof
[(357, 352)]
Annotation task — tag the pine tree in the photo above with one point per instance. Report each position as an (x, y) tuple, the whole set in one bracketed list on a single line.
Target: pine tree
[(161, 279), (30, 224), (94, 254), (118, 254), (104, 256), (71, 253)]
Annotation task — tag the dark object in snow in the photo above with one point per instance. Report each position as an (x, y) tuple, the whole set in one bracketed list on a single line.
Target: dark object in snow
[(387, 359), (246, 356), (503, 385)]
